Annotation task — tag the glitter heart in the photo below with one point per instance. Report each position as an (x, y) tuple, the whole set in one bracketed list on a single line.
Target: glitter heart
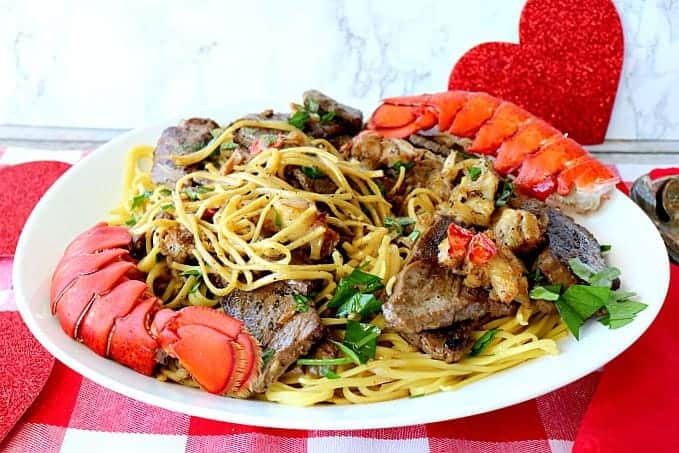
[(565, 69)]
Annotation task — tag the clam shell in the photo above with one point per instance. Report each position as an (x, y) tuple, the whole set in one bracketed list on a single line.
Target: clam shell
[(659, 199)]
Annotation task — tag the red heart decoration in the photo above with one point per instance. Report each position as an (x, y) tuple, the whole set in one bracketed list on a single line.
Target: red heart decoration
[(24, 364), (565, 69), (21, 186)]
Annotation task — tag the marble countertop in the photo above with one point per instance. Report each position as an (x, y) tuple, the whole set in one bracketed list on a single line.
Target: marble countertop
[(84, 63)]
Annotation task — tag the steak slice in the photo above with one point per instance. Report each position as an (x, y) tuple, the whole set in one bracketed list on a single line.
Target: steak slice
[(449, 344), (270, 315), (428, 296), (347, 121), (427, 246), (191, 135)]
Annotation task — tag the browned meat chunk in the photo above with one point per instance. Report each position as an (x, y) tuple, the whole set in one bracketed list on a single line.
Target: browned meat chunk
[(428, 296), (449, 344), (518, 230), (270, 314), (323, 350), (191, 135), (347, 121), (374, 151), (297, 178), (427, 246), (176, 242)]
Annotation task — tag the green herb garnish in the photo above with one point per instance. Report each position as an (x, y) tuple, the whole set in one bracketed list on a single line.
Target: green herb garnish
[(299, 119), (226, 146), (302, 303), (347, 351), (547, 292), (131, 221), (141, 198), (356, 282), (166, 192), (398, 165), (313, 172), (398, 223), (474, 173), (506, 191), (325, 362), (361, 304), (605, 248), (311, 106), (266, 356), (195, 272), (327, 117), (329, 373), (361, 339), (535, 277), (165, 207), (482, 342), (414, 236), (277, 218), (194, 192), (195, 287)]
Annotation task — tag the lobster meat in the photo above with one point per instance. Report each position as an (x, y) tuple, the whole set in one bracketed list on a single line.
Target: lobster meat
[(546, 164), (99, 300)]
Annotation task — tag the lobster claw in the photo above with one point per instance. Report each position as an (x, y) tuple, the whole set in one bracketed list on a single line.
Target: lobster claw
[(213, 347)]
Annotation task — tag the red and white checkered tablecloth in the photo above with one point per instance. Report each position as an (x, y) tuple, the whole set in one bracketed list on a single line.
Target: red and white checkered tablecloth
[(73, 414)]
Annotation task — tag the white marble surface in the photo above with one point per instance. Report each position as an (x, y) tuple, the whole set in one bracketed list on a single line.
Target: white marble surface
[(129, 63)]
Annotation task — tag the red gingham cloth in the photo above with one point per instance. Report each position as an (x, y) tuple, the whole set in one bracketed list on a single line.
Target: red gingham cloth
[(74, 414)]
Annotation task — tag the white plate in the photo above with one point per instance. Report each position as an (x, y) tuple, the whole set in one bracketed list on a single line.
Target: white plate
[(83, 196)]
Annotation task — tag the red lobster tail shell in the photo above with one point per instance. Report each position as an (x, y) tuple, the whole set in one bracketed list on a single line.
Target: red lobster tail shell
[(523, 145), (98, 301)]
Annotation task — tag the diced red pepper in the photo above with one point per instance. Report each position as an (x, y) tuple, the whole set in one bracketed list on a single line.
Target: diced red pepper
[(481, 249), (260, 144), (209, 214), (458, 239)]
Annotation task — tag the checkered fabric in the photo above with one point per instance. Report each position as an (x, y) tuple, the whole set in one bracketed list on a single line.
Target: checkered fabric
[(74, 414)]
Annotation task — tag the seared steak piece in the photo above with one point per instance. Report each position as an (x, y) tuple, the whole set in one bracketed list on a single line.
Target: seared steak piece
[(427, 143), (347, 121), (449, 344), (248, 136), (191, 135), (297, 178), (568, 240), (176, 242), (427, 246), (269, 313), (428, 296)]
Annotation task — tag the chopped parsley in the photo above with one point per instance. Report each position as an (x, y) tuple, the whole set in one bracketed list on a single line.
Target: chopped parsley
[(398, 165), (348, 352), (547, 292), (132, 220), (141, 198), (299, 119), (165, 207), (361, 339), (474, 173), (327, 117), (194, 192), (329, 373), (398, 223), (325, 362), (535, 277), (311, 106), (302, 303), (277, 218), (356, 282), (361, 304), (414, 235), (266, 356), (166, 192), (217, 132), (313, 172), (506, 191), (226, 146), (605, 248), (195, 287), (482, 342), (194, 272), (380, 186)]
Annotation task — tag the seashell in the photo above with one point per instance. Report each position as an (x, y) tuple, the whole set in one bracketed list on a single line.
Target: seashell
[(659, 199)]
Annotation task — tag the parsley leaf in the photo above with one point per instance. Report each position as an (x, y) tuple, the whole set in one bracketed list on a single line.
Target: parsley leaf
[(131, 221), (362, 339), (547, 292), (302, 303), (165, 207), (605, 277), (311, 105), (583, 271), (356, 282), (535, 277), (605, 248), (195, 287), (299, 119), (620, 310), (313, 172), (277, 218), (325, 362), (226, 146), (380, 186), (398, 223), (397, 166), (166, 192), (414, 235), (141, 198), (266, 356), (362, 304), (195, 272), (572, 320), (474, 173), (329, 373), (327, 117), (194, 192), (347, 351), (483, 341), (506, 192)]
